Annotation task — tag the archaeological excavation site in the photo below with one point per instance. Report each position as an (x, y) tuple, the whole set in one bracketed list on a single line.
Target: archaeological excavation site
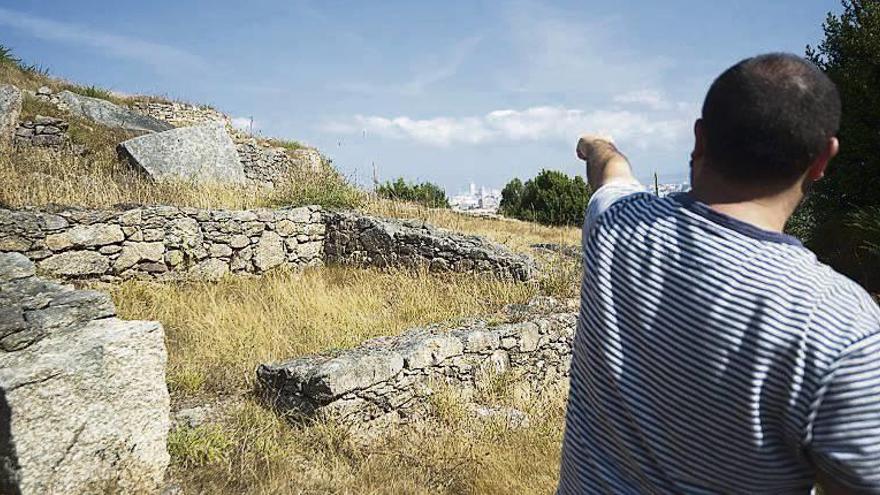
[(192, 308)]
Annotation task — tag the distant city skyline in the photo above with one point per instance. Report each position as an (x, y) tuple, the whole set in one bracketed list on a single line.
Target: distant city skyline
[(468, 90)]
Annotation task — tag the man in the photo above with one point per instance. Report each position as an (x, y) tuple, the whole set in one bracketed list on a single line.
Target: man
[(714, 353)]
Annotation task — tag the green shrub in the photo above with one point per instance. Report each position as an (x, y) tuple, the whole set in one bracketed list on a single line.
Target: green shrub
[(93, 92), (551, 198), (426, 193)]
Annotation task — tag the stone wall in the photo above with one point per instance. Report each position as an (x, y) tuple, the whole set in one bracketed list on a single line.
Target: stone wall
[(170, 243), (369, 241), (163, 242), (42, 131), (83, 403), (390, 379), (267, 164), (180, 114)]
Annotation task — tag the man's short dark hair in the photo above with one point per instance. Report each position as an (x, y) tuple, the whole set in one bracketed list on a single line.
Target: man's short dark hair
[(768, 118)]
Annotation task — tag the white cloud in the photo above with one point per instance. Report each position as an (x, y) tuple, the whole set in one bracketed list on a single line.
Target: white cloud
[(540, 123), (163, 58)]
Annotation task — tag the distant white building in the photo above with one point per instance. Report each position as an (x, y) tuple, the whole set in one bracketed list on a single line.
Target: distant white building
[(667, 189), (477, 199)]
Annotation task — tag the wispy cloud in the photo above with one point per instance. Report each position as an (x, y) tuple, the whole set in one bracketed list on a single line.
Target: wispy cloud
[(162, 58), (560, 53), (244, 123), (531, 124), (428, 71), (651, 98)]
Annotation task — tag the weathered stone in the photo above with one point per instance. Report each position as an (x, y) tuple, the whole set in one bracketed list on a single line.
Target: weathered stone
[(211, 269), (14, 243), (14, 266), (76, 264), (135, 252), (203, 153), (220, 251), (53, 222), (239, 241), (269, 252), (110, 114), (10, 109), (83, 394), (90, 410), (97, 234), (110, 249), (310, 250), (174, 257)]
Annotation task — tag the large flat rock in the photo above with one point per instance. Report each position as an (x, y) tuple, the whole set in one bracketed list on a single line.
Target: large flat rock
[(110, 114), (83, 403), (202, 153), (10, 109)]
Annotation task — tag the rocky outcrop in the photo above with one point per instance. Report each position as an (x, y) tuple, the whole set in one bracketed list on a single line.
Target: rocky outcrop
[(10, 109), (83, 403), (389, 380), (107, 113), (163, 242), (370, 241), (203, 153)]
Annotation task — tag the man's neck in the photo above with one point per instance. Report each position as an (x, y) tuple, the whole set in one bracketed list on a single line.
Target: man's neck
[(766, 211)]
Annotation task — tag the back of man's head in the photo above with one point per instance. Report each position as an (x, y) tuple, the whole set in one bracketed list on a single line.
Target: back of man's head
[(768, 118)]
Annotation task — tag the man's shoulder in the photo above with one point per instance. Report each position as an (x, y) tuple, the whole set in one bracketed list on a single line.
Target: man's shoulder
[(843, 306)]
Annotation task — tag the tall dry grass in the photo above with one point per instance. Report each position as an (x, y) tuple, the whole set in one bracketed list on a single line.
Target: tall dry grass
[(217, 333), (516, 234)]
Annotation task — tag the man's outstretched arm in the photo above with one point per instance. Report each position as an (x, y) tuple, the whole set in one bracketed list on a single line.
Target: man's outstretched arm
[(608, 173), (605, 163)]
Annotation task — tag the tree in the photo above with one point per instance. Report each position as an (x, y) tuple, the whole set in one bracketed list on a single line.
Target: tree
[(551, 198), (426, 193), (511, 197), (850, 56)]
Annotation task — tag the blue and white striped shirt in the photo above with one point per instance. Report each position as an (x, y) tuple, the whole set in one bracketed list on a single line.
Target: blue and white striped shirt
[(712, 356)]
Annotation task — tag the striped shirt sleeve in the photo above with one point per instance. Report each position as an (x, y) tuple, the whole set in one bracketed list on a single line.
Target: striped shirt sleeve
[(605, 196), (845, 442)]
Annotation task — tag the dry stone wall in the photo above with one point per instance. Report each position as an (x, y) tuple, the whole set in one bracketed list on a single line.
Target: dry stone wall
[(83, 403), (370, 241), (390, 379), (171, 243), (163, 242), (269, 165), (181, 114), (42, 131)]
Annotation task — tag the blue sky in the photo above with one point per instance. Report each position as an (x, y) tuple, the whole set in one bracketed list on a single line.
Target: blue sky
[(451, 92)]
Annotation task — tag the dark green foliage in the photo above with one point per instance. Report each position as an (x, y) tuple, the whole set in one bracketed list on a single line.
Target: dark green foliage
[(511, 197), (426, 193), (850, 55), (551, 198)]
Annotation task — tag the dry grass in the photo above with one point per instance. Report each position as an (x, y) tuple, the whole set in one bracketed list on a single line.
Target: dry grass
[(252, 451), (516, 234), (218, 332)]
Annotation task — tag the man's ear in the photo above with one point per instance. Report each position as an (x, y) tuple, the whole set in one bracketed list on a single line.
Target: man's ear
[(817, 169), (699, 141)]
